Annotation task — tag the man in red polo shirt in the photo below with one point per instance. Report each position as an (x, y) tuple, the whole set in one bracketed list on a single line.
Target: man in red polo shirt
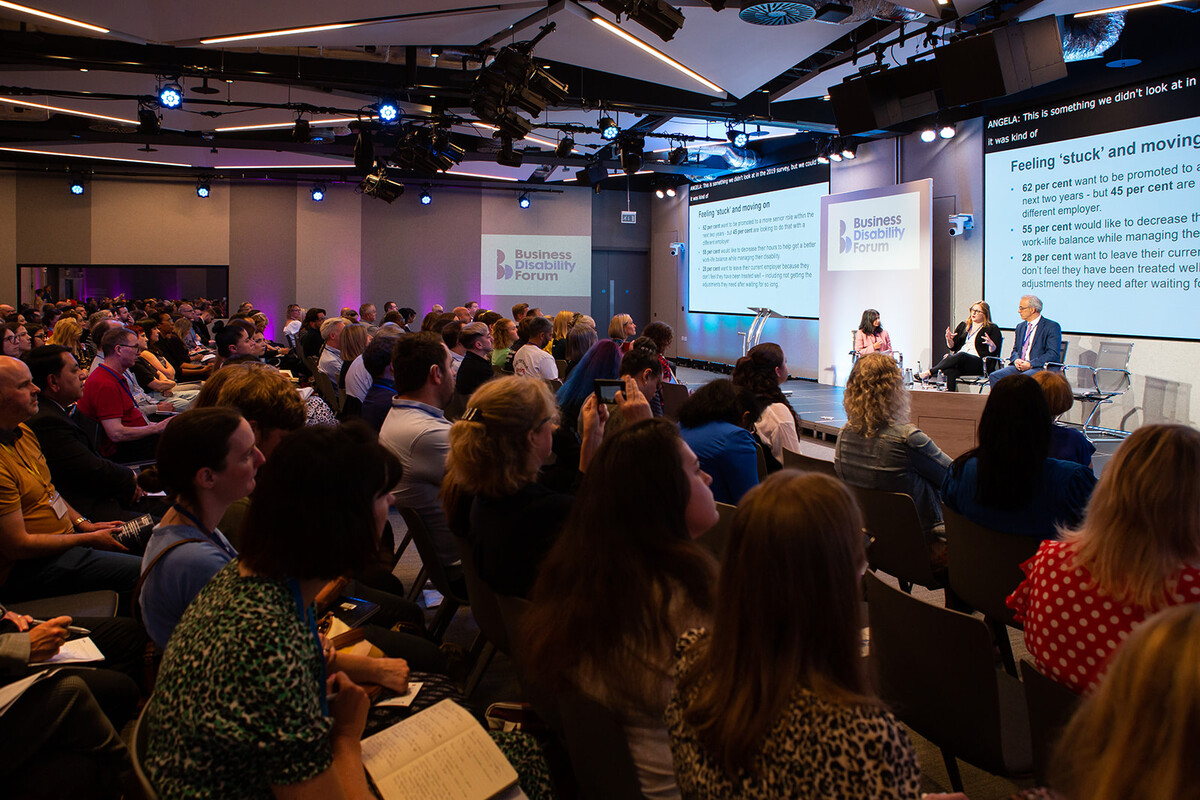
[(126, 434)]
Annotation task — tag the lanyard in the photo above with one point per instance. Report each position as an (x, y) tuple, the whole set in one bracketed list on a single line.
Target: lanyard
[(229, 551), (121, 381), (35, 473), (417, 407), (305, 614)]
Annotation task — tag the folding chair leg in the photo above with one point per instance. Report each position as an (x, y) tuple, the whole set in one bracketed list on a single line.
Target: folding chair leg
[(952, 770), (414, 591), (1000, 635), (482, 660), (442, 619), (399, 551)]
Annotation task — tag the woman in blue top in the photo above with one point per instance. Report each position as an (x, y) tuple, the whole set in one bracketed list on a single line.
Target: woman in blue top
[(1008, 483), (716, 422), (207, 459)]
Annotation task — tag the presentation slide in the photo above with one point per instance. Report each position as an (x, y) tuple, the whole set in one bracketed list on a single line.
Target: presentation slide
[(754, 241), (1092, 204)]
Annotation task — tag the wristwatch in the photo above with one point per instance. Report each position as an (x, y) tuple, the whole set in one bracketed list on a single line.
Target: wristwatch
[(79, 521)]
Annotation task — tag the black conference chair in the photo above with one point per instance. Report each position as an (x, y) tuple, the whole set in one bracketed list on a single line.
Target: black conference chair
[(1050, 706), (898, 545)]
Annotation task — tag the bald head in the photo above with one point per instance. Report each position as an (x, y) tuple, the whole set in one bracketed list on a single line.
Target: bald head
[(18, 395), (462, 314)]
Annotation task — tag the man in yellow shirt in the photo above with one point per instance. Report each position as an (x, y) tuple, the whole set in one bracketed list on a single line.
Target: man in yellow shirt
[(47, 548)]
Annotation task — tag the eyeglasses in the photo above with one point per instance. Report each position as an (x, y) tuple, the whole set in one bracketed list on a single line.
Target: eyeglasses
[(10, 339), (1024, 308)]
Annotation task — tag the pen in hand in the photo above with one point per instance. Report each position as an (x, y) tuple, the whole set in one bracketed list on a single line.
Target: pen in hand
[(74, 629)]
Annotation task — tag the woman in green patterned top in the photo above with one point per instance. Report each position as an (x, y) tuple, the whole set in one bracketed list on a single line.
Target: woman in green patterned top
[(240, 709)]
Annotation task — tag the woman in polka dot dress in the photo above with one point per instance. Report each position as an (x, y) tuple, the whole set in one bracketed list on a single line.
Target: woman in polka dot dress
[(1136, 552)]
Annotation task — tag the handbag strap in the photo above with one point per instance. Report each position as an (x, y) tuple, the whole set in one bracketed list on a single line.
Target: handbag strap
[(137, 587)]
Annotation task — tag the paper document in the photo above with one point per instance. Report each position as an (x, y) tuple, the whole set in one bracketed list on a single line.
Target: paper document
[(76, 651)]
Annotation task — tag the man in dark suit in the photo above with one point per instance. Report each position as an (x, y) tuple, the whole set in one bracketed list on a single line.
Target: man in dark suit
[(1037, 341), (96, 487)]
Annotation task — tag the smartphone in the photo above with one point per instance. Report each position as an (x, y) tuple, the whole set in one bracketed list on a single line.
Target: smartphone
[(606, 389)]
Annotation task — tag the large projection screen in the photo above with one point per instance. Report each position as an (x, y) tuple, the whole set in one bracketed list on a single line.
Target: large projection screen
[(1092, 204), (876, 252), (753, 240)]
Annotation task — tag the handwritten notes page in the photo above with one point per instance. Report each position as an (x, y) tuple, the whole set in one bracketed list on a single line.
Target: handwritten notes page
[(441, 752)]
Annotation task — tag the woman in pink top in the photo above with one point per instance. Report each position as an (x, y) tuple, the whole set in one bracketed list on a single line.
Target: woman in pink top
[(1137, 552), (871, 337)]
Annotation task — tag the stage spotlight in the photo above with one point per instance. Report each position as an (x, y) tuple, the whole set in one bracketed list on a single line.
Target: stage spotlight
[(318, 193), (170, 95), (657, 16), (565, 146), (822, 158), (388, 111), (364, 152), (378, 184), (507, 157), (835, 156), (849, 151), (608, 128), (301, 131), (660, 193), (148, 122), (670, 191), (514, 81), (76, 184), (632, 147), (738, 138), (523, 200), (426, 197), (928, 135), (947, 131), (203, 189), (677, 156)]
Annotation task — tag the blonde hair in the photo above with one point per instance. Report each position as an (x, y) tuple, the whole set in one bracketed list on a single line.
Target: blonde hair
[(500, 336), (875, 395), (489, 445), (353, 342), (562, 323), (260, 321), (1136, 736), (66, 332), (616, 328), (1143, 521)]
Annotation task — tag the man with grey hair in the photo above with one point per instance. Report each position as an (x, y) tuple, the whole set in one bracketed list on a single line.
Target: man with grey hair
[(1037, 341), (476, 368), (330, 362)]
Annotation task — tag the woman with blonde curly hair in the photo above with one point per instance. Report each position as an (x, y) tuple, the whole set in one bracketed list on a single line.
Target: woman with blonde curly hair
[(504, 333), (563, 322), (67, 332), (497, 449), (879, 449)]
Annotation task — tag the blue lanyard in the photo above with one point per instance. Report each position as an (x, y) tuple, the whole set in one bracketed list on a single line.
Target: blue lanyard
[(307, 615), (415, 407), (211, 536), (120, 380)]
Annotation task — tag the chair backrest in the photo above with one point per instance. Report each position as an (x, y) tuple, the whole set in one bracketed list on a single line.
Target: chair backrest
[(325, 388), (1050, 706), (561, 363), (674, 395), (1112, 363), (898, 544), (599, 752), (485, 607), (100, 603), (935, 669), (807, 463), (137, 753), (429, 554), (90, 427), (543, 700), (716, 538), (985, 565)]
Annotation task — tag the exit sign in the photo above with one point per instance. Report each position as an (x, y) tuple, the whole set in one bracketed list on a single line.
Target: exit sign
[(629, 217)]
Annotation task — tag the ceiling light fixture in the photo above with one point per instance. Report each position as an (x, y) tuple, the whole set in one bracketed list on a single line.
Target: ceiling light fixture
[(388, 111), (663, 57), (565, 146), (170, 95), (737, 138), (92, 157), (928, 134), (301, 132), (1113, 9), (513, 82), (670, 191), (523, 200), (426, 197), (241, 37), (608, 128), (318, 192), (657, 16), (203, 188), (660, 193), (378, 184), (76, 185), (823, 157), (508, 157), (677, 156), (947, 131), (632, 148), (55, 17), (68, 111)]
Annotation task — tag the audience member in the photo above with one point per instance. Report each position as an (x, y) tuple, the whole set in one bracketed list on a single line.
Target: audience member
[(1008, 483), (878, 448), (450, 330), (68, 332), (764, 369), (763, 699), (258, 610), (661, 334), (126, 434), (377, 361), (175, 351), (330, 362), (16, 339), (47, 547), (295, 319), (351, 344), (532, 360), (579, 341), (622, 328), (716, 422), (92, 484), (601, 362), (1067, 444), (518, 311), (309, 338), (463, 314), (504, 333), (616, 590), (476, 367), (1136, 552), (563, 321), (207, 459), (235, 339)]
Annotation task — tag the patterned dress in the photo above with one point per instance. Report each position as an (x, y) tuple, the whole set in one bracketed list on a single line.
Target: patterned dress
[(816, 749)]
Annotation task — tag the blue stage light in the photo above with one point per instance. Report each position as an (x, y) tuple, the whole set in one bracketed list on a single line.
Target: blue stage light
[(170, 96)]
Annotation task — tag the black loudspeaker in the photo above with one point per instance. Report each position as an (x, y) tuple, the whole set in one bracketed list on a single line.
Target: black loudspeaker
[(883, 99), (1001, 62)]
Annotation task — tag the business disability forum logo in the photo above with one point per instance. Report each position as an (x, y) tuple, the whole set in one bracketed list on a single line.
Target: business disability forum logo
[(870, 234), (533, 265)]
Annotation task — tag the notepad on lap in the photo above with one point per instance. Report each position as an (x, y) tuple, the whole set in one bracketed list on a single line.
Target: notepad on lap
[(441, 752)]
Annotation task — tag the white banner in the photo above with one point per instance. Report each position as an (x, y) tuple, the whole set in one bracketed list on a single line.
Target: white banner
[(880, 233), (550, 266)]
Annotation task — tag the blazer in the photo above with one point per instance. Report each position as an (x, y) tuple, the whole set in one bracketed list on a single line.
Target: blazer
[(1047, 342), (981, 349), (91, 483)]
